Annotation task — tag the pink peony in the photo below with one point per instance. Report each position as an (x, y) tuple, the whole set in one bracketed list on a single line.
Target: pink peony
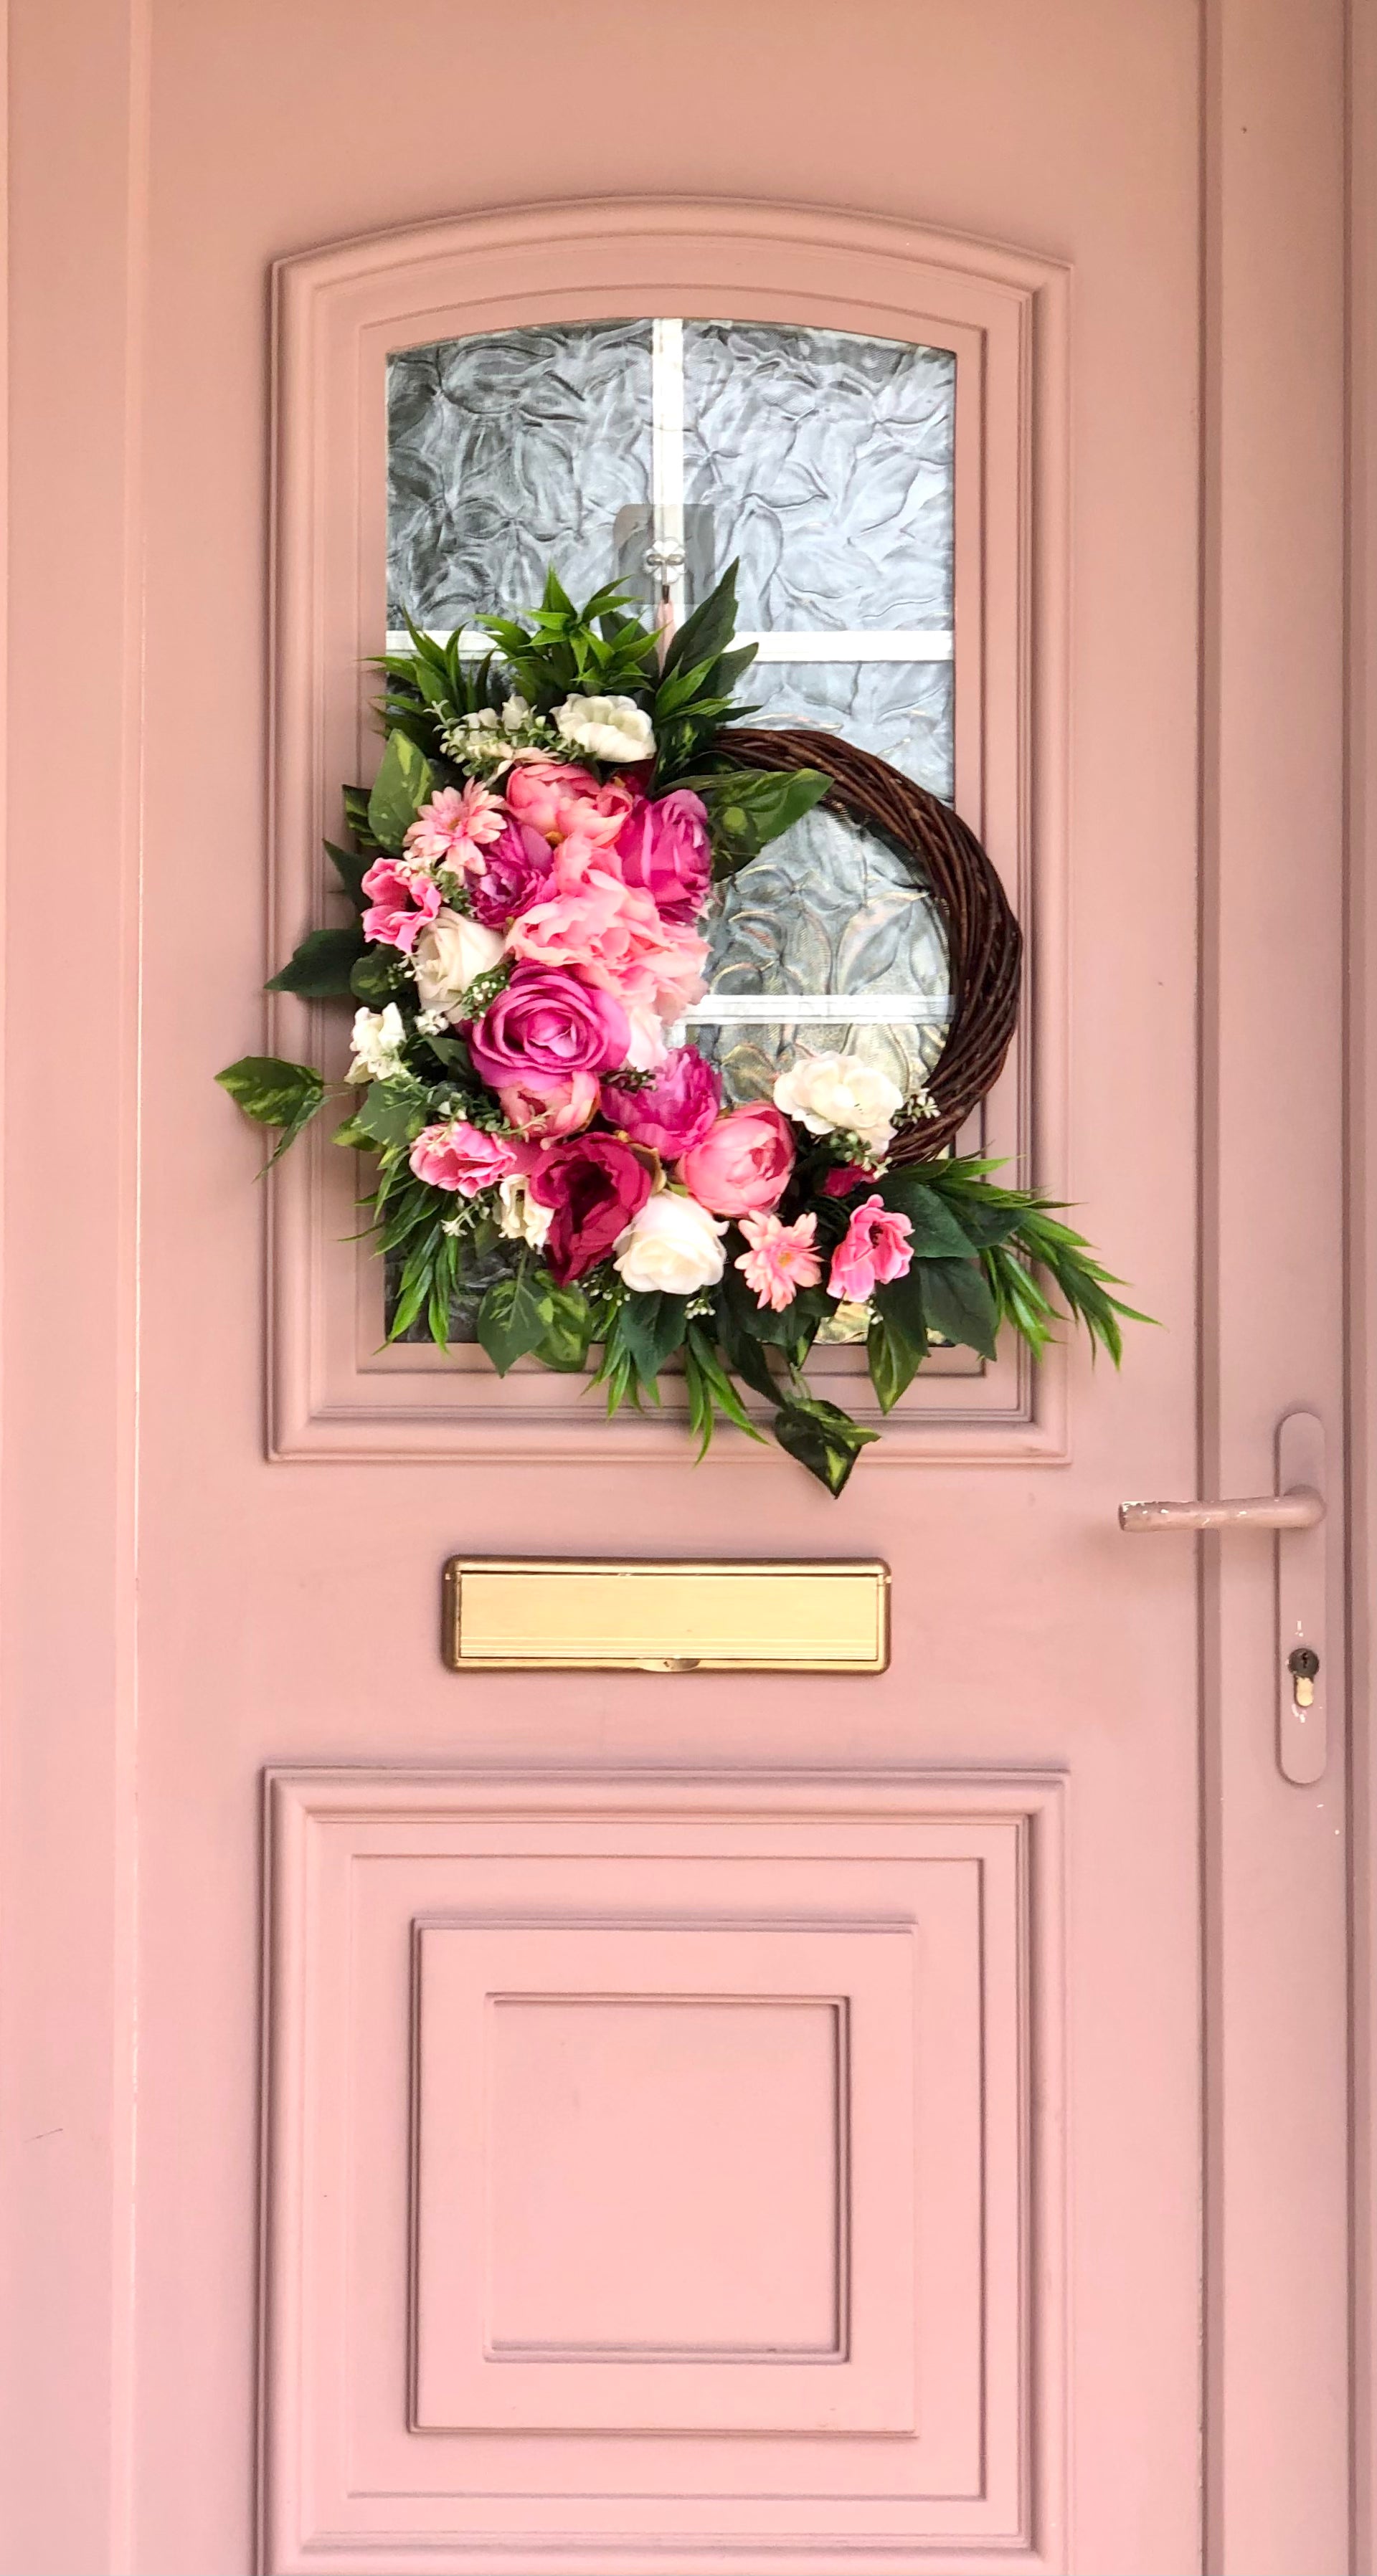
[(593, 1186), (514, 871), (553, 1106), (614, 935), (672, 1113), (663, 848), (401, 903), (547, 1024), (460, 1157), (873, 1250), (743, 1163), (781, 1259), (453, 830), (557, 798)]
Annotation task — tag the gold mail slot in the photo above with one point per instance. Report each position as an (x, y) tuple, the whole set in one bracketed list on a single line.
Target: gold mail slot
[(578, 1614)]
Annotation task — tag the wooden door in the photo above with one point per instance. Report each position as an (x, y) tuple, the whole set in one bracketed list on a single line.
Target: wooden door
[(671, 2122)]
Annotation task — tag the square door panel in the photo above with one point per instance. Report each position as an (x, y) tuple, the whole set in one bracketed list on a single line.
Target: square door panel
[(662, 2173), (664, 2177)]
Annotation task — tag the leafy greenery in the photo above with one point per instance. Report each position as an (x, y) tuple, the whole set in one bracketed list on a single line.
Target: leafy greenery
[(599, 650), (748, 807), (276, 1094), (404, 782), (321, 969)]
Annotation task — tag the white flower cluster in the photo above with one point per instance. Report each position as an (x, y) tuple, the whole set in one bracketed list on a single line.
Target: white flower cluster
[(379, 1041), (611, 729)]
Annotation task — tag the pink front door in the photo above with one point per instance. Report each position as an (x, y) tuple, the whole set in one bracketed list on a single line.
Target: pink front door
[(653, 2122)]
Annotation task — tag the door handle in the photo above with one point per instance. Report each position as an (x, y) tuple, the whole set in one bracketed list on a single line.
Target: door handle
[(1295, 1515)]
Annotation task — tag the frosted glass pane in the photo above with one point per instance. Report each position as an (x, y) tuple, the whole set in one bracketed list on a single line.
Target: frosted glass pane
[(507, 453), (826, 910), (824, 461), (902, 710)]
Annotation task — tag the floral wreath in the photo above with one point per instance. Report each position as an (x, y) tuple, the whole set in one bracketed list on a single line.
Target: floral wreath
[(527, 880)]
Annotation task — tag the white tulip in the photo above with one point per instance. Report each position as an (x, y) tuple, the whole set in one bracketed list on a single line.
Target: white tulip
[(378, 1040), (449, 953), (520, 1217), (826, 1093), (606, 728), (673, 1245)]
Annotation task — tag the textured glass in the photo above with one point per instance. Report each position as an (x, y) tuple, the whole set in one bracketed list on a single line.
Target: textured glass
[(827, 909), (824, 461), (508, 453), (902, 710)]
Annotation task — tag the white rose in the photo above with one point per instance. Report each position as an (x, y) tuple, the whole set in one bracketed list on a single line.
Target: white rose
[(840, 1091), (673, 1245), (608, 728), (520, 1217), (448, 954), (378, 1039)]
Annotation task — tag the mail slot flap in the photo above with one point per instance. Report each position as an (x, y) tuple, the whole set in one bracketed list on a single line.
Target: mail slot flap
[(544, 1614)]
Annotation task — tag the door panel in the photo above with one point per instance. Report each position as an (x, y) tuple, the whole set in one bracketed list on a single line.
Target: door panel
[(703, 2121)]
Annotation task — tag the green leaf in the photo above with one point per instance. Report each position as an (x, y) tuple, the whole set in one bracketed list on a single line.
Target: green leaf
[(319, 970), (708, 632), (936, 1234), (404, 781), (392, 1113), (351, 867), (958, 1303), (514, 1318), (276, 1094), (893, 1359), (570, 1331), (652, 1328), (900, 1303), (823, 1439), (373, 977), (355, 802), (748, 807)]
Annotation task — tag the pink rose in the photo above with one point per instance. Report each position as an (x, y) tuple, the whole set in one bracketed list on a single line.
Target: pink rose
[(547, 1024), (513, 873), (593, 1186), (743, 1162), (557, 798), (614, 935), (401, 903), (553, 1106), (844, 1178), (460, 1157), (663, 847), (874, 1248), (674, 1112)]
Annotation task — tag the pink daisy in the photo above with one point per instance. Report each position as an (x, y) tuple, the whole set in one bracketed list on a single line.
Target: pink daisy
[(781, 1259)]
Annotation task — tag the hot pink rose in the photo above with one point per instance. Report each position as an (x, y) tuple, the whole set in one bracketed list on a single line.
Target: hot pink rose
[(460, 1157), (513, 873), (674, 1112), (547, 1025), (557, 1107), (593, 1186), (400, 905), (614, 935), (874, 1249), (844, 1178), (556, 798), (664, 848), (743, 1162)]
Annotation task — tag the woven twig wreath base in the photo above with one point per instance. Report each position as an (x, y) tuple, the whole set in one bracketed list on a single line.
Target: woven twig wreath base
[(984, 942)]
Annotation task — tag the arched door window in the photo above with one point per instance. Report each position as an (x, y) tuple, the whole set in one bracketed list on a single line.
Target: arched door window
[(823, 462)]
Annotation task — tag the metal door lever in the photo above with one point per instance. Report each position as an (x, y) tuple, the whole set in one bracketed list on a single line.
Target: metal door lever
[(1295, 1512), (1298, 1509)]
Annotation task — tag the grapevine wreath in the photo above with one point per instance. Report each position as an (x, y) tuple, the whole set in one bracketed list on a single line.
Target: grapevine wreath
[(527, 880)]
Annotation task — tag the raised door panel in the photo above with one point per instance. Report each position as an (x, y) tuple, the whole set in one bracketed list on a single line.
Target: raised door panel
[(652, 2154)]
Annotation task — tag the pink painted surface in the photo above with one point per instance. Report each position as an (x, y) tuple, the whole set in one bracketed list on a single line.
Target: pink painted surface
[(483, 1895)]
